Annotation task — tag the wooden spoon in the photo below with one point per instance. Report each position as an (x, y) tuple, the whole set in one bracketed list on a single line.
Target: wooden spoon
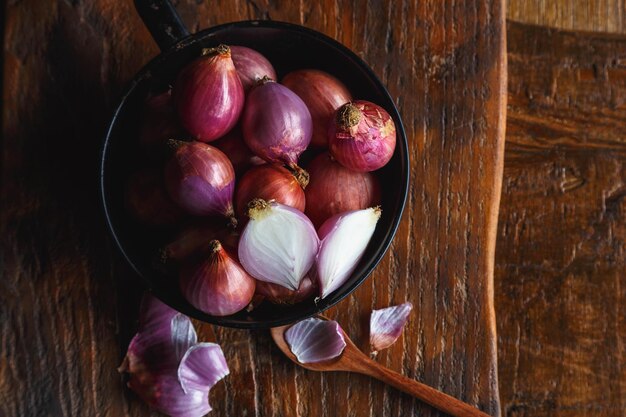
[(353, 360)]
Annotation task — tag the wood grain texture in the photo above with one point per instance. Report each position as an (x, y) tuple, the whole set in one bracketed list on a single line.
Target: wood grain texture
[(561, 251), (68, 303), (585, 15), (353, 359)]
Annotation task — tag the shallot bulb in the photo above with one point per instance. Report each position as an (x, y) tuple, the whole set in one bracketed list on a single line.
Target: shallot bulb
[(323, 94), (201, 180), (362, 136), (344, 238), (208, 94), (237, 151), (191, 241), (276, 123), (148, 202), (217, 285), (278, 245), (251, 66), (278, 294), (334, 189), (168, 368), (270, 182), (159, 124), (314, 340)]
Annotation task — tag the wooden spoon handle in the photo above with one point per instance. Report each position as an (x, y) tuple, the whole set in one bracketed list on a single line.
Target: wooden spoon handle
[(437, 399)]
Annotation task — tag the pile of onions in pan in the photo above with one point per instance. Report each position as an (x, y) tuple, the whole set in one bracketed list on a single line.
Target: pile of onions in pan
[(263, 185)]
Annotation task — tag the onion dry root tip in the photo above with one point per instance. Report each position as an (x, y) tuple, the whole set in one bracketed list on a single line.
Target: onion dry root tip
[(264, 80), (232, 222), (348, 116), (163, 256), (215, 246), (174, 144), (220, 49)]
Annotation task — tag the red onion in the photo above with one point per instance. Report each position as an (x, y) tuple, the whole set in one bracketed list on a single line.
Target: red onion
[(270, 182), (278, 244), (148, 202), (362, 137), (334, 189), (323, 94), (251, 66), (191, 242), (237, 151), (159, 124), (208, 94), (201, 180), (217, 285), (278, 294), (276, 123)]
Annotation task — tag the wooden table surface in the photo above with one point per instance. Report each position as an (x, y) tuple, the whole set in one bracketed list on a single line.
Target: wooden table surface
[(68, 303)]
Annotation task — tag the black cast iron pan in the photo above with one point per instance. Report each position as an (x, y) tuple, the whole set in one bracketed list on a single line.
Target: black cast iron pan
[(288, 47)]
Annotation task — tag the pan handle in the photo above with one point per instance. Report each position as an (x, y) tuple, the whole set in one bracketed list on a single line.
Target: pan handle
[(163, 22)]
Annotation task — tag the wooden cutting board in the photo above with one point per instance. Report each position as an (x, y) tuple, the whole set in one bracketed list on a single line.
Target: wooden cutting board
[(561, 258), (68, 303)]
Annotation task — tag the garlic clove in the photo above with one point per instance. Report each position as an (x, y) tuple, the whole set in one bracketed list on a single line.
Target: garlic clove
[(202, 367), (386, 325), (278, 244), (344, 237), (314, 340)]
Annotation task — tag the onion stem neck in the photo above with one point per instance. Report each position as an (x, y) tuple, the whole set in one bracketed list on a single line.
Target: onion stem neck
[(301, 175), (232, 220), (175, 144), (257, 208), (218, 50), (348, 116), (215, 246), (266, 79)]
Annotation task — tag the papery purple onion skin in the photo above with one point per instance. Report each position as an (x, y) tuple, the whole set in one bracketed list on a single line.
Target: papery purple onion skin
[(202, 367), (217, 284), (336, 189), (366, 146), (251, 66), (234, 147), (314, 340), (386, 325), (201, 179), (209, 96), (323, 94), (161, 352), (276, 123)]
